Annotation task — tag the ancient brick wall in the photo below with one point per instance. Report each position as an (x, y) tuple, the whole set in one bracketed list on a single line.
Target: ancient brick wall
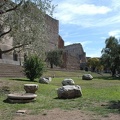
[(52, 30), (60, 42), (75, 56), (70, 62)]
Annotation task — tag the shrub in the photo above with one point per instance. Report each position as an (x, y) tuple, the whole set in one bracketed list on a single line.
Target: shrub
[(33, 67), (54, 57)]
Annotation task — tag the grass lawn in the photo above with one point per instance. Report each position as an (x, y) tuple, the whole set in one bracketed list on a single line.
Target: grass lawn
[(100, 95)]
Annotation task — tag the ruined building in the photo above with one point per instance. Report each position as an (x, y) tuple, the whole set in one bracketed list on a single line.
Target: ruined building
[(54, 41), (74, 57), (52, 32)]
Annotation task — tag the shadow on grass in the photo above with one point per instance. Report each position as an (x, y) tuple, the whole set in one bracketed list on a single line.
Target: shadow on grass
[(114, 105), (57, 98), (20, 79), (64, 98), (107, 78), (9, 102)]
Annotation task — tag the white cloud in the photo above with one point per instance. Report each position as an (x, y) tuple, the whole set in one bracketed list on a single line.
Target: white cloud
[(115, 33), (77, 13), (88, 15), (89, 20), (109, 21), (82, 9), (92, 52), (84, 43), (68, 43), (115, 4)]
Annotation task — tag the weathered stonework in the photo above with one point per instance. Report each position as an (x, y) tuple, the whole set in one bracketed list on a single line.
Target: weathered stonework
[(52, 26), (74, 56), (8, 57), (52, 29), (60, 43)]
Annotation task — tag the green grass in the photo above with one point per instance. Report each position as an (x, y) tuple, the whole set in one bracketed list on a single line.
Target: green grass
[(100, 95)]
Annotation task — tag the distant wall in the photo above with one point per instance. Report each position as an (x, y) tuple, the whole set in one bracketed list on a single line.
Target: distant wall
[(70, 62), (77, 51), (75, 56)]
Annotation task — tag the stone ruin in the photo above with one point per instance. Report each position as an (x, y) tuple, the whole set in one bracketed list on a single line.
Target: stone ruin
[(28, 96), (45, 80), (69, 90), (87, 77)]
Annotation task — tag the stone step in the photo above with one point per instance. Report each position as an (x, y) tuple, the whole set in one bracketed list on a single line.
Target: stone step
[(9, 70)]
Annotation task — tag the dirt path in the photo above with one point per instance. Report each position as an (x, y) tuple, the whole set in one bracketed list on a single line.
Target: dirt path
[(57, 114)]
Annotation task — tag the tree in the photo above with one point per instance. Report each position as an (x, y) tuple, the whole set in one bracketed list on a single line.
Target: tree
[(24, 20), (54, 57), (94, 64), (33, 67), (111, 55)]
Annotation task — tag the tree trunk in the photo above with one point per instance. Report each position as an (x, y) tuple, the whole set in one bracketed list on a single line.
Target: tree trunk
[(51, 65), (113, 72)]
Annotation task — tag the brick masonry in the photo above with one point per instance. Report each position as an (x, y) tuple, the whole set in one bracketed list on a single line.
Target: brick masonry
[(60, 43), (73, 57), (52, 29), (52, 26)]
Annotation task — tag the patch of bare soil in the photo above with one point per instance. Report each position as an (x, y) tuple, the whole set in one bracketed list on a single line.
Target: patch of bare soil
[(58, 114)]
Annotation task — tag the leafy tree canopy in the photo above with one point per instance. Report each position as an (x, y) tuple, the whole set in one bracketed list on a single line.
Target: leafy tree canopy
[(111, 55), (24, 20), (54, 57), (94, 64)]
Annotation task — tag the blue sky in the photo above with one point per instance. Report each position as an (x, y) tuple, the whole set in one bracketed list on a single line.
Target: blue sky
[(88, 22)]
